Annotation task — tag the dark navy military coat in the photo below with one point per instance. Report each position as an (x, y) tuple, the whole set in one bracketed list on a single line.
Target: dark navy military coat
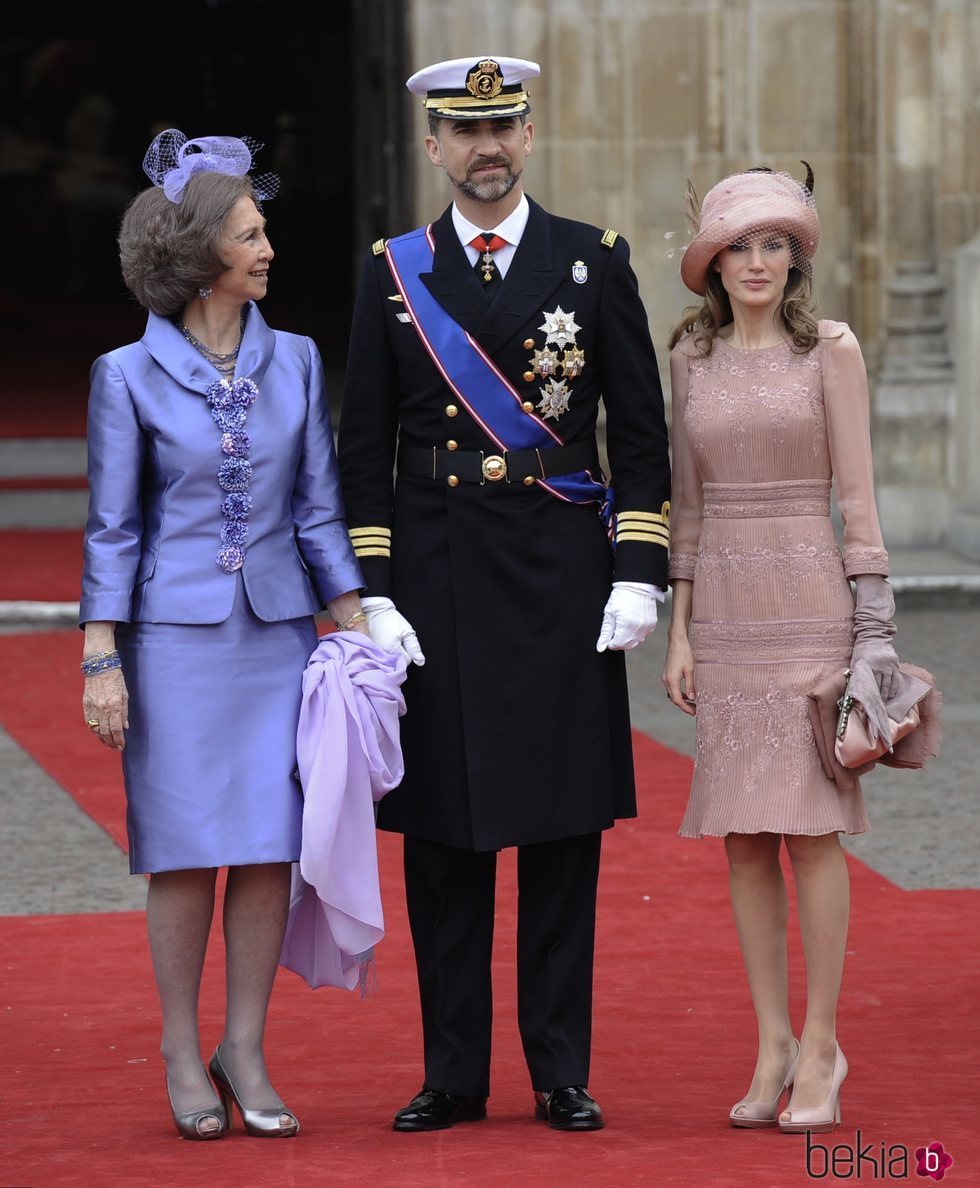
[(517, 730)]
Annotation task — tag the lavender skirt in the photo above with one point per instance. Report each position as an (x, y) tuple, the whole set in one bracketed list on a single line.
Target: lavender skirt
[(210, 758)]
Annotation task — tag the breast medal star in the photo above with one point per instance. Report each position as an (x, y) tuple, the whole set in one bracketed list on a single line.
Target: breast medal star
[(560, 328), (544, 363), (572, 363), (554, 399)]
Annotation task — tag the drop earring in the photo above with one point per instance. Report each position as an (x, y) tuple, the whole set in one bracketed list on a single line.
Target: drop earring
[(204, 292)]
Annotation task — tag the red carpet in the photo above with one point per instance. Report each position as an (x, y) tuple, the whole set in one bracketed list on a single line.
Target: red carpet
[(43, 564), (673, 1047)]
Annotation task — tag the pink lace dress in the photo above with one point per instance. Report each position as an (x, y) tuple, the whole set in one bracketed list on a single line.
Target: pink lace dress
[(758, 438)]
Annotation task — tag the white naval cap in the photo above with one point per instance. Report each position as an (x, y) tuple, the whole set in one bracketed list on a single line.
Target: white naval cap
[(468, 89)]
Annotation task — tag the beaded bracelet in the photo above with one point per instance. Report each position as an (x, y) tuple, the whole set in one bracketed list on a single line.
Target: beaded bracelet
[(101, 662), (356, 617)]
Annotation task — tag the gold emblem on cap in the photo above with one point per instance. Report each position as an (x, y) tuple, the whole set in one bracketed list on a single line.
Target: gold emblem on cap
[(485, 81)]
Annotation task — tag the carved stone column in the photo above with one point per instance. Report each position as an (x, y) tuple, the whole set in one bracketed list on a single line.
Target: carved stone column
[(914, 392), (965, 531)]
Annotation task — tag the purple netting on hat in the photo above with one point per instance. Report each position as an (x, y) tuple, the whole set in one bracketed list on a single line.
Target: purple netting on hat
[(172, 160)]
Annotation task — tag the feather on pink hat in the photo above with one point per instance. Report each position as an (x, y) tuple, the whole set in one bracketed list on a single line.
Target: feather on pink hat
[(747, 204)]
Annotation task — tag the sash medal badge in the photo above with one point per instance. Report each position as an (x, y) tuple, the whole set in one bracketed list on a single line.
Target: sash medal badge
[(560, 329)]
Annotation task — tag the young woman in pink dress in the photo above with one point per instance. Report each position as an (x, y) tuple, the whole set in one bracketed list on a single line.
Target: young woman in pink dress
[(770, 406)]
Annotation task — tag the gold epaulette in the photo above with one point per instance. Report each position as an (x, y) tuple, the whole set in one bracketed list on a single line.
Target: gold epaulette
[(378, 247), (609, 237)]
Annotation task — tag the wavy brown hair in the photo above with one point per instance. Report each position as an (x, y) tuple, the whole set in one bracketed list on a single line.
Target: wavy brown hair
[(797, 311), (169, 250)]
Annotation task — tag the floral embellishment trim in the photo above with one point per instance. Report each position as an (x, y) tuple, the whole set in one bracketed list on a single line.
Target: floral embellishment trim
[(229, 401)]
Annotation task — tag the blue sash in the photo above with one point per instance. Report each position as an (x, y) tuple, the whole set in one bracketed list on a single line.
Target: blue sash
[(478, 385)]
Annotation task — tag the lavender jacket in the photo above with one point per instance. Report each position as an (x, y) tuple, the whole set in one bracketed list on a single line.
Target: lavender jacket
[(155, 516)]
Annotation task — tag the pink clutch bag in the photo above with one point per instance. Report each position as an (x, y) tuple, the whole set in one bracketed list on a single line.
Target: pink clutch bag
[(840, 728), (852, 742)]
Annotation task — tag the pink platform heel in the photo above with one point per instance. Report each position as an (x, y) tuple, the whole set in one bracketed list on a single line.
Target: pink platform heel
[(758, 1115), (823, 1117)]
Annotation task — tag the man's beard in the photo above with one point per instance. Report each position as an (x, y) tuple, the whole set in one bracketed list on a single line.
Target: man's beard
[(490, 189)]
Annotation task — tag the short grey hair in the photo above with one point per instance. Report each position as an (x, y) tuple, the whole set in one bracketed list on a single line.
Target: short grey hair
[(169, 250)]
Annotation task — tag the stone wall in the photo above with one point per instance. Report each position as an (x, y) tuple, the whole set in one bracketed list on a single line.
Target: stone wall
[(882, 97)]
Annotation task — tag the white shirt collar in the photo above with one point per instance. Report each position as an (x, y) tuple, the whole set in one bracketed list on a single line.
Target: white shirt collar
[(511, 229)]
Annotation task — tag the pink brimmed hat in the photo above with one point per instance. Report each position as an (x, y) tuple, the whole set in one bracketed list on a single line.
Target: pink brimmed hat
[(745, 204)]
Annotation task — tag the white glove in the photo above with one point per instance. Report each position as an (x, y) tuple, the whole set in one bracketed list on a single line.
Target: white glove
[(390, 629), (629, 616)]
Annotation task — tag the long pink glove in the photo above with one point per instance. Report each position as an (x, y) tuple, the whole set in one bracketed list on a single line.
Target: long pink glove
[(874, 628)]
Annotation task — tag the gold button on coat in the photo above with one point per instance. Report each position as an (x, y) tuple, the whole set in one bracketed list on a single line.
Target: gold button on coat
[(530, 481), (529, 377), (452, 445), (451, 410), (453, 481), (528, 406), (528, 343)]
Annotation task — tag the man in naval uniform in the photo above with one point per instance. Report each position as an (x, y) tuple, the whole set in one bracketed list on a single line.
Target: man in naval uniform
[(511, 571)]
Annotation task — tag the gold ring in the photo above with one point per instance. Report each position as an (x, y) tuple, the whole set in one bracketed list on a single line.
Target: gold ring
[(92, 722)]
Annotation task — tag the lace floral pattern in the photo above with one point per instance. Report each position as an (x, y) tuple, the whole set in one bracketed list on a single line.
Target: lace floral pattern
[(790, 564), (765, 643), (784, 389), (754, 737), (865, 560), (682, 565), (739, 501)]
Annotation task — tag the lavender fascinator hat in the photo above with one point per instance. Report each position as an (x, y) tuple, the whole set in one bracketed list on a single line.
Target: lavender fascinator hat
[(172, 160), (745, 207)]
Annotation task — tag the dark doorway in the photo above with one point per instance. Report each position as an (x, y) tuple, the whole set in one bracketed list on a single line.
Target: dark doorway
[(83, 89)]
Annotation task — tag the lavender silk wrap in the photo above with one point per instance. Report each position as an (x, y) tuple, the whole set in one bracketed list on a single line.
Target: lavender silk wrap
[(349, 755)]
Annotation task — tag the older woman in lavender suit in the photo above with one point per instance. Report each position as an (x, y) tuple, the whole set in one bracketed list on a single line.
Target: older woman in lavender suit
[(215, 533)]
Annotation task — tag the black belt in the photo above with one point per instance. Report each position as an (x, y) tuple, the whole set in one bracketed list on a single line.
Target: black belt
[(480, 466)]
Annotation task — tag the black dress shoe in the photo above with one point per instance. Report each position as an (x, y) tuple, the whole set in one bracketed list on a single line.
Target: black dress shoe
[(570, 1108), (431, 1109)]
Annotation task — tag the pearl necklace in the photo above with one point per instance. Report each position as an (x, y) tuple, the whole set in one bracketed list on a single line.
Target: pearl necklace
[(223, 363)]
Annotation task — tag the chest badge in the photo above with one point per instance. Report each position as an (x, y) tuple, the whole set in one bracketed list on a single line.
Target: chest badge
[(554, 399), (560, 327), (544, 363), (572, 362), (580, 272)]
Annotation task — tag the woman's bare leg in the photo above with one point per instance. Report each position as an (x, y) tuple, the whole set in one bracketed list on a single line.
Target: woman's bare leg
[(823, 900), (760, 907)]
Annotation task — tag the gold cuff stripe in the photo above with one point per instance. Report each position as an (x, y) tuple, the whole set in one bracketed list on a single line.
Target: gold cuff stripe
[(644, 537), (515, 99), (372, 531), (362, 551), (640, 517), (367, 542)]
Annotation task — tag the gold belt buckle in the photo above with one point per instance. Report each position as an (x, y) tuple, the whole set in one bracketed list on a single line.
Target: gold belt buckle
[(494, 467)]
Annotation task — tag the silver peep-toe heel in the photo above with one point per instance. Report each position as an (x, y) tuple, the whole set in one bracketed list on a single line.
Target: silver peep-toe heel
[(267, 1123)]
